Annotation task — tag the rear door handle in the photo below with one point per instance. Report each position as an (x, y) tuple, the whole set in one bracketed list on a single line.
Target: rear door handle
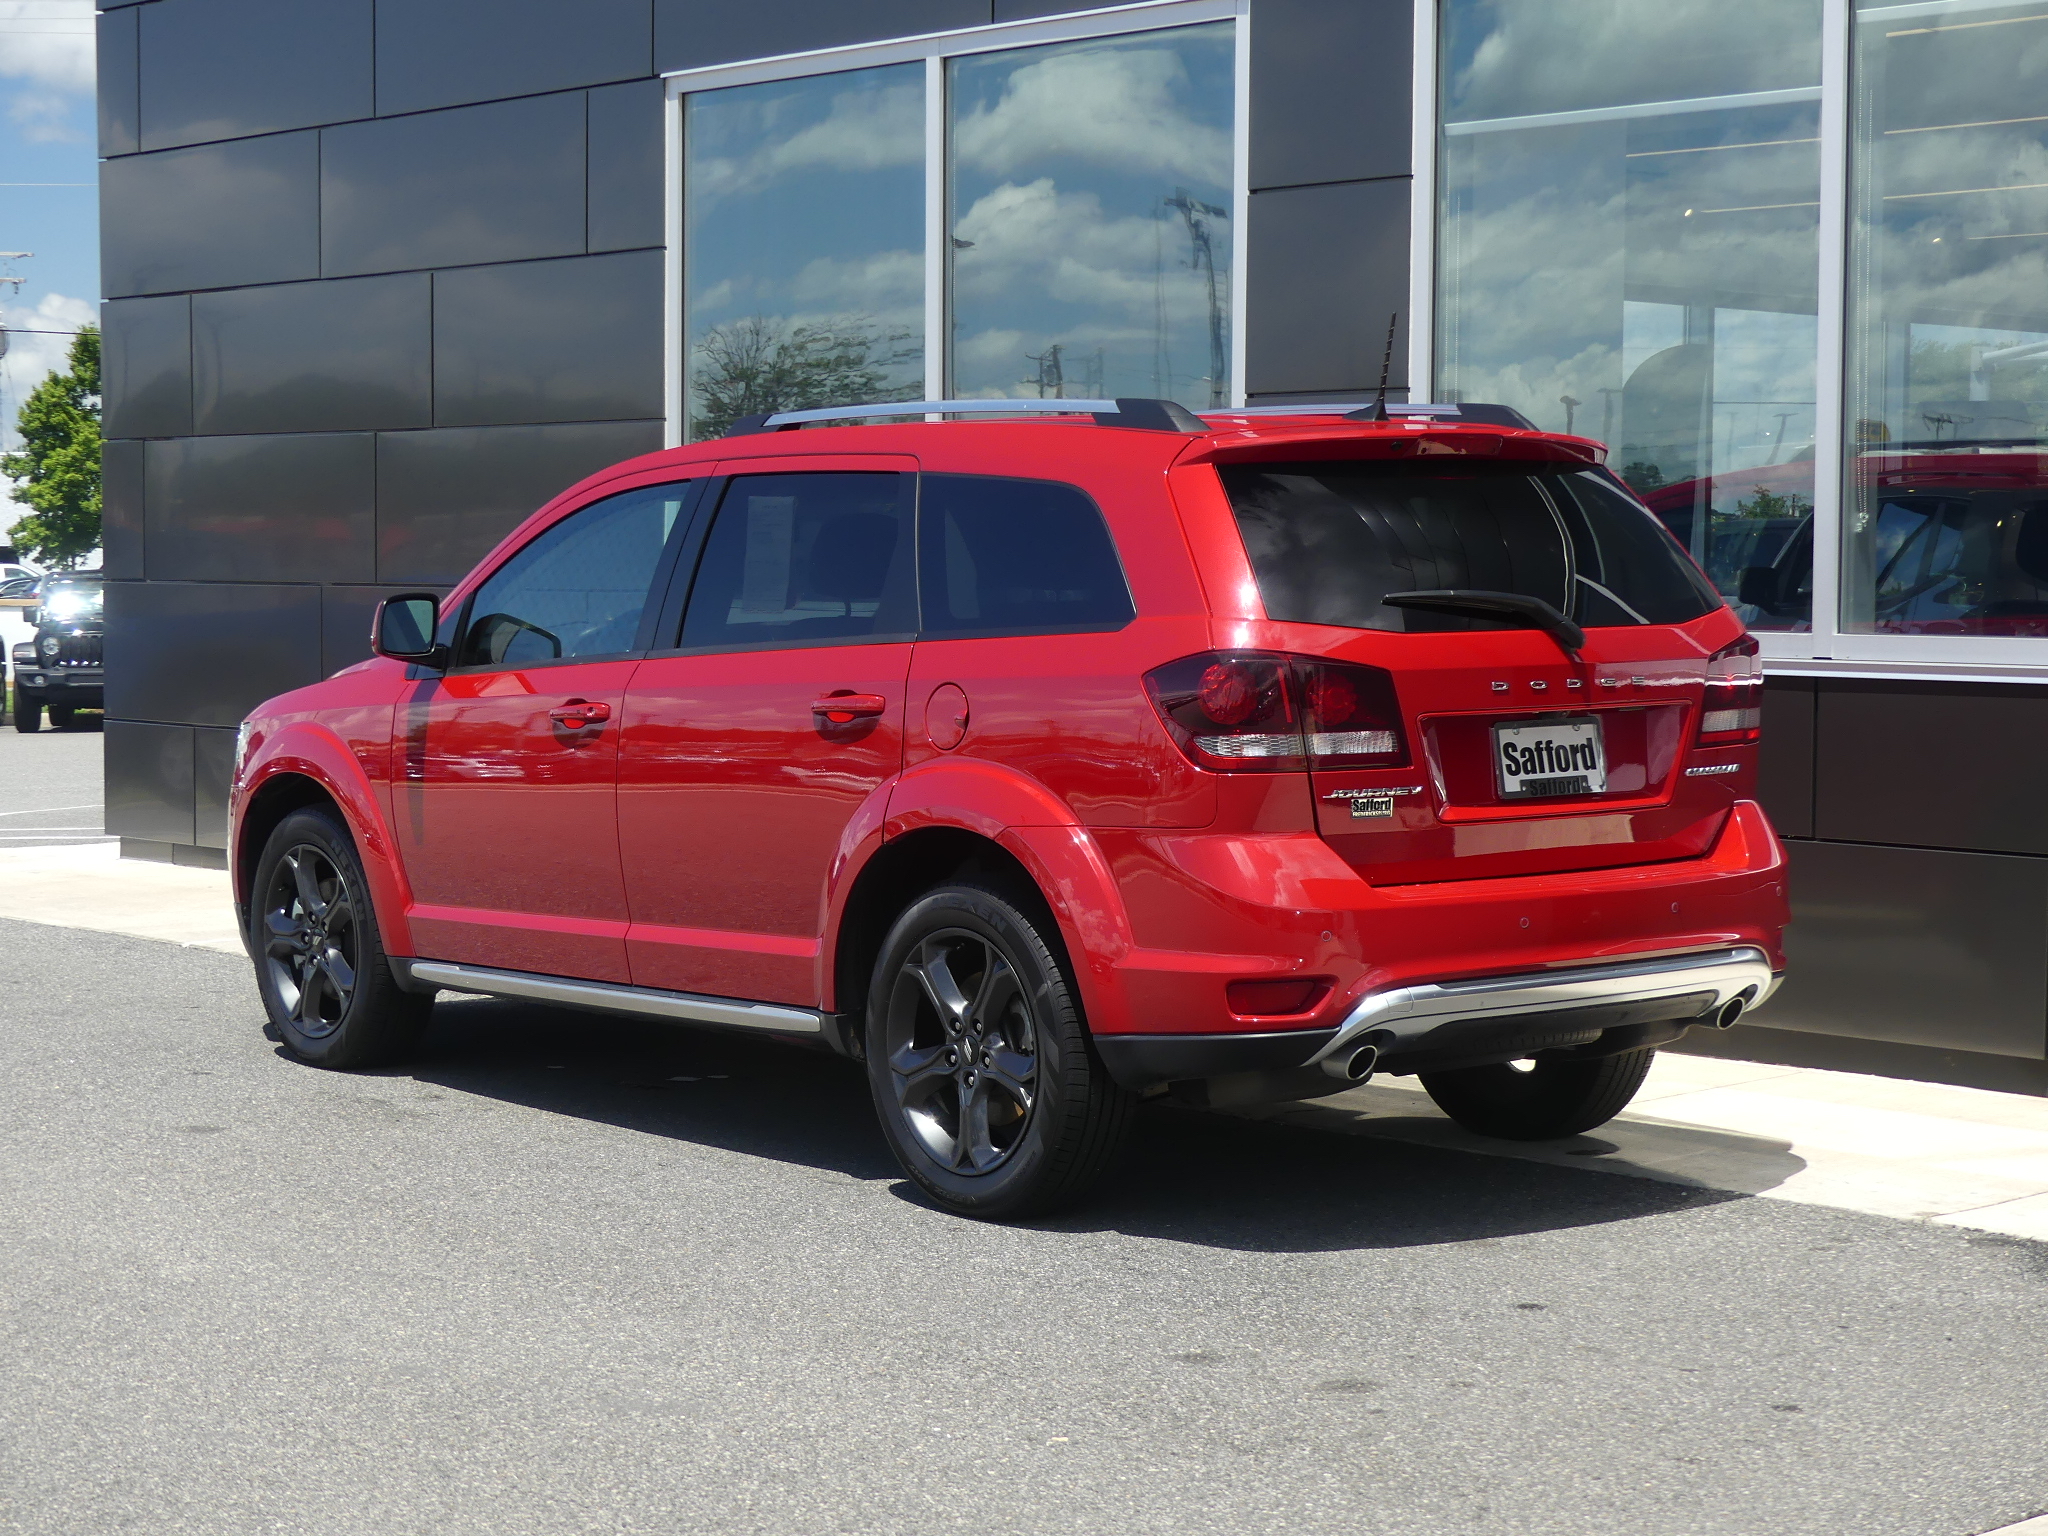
[(576, 716), (842, 707)]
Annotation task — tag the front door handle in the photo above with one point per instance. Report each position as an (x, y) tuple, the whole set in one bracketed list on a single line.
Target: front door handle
[(839, 708), (578, 714)]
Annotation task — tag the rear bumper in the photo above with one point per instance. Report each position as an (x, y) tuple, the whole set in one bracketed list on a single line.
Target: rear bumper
[(1442, 1025)]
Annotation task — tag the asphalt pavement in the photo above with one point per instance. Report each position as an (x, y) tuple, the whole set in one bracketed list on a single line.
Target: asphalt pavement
[(568, 1273), (50, 785)]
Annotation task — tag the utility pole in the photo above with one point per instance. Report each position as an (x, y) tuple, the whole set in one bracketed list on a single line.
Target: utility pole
[(1051, 373), (1196, 215)]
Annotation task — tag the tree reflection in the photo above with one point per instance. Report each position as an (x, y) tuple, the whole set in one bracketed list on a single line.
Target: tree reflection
[(762, 363)]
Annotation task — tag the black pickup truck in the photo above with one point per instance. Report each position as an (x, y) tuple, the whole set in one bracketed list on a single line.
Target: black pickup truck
[(58, 670)]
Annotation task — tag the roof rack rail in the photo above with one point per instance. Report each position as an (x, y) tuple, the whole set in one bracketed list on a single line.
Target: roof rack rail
[(1146, 415), (1363, 410)]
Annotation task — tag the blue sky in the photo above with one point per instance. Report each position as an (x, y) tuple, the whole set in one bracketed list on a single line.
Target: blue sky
[(47, 135)]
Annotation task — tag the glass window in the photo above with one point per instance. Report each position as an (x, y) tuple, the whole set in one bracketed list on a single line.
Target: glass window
[(1945, 522), (1091, 227), (796, 559), (803, 264), (1329, 541), (1000, 556), (578, 589), (1629, 251)]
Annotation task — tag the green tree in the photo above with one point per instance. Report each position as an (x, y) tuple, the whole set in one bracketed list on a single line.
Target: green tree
[(1769, 503), (758, 364), (56, 474)]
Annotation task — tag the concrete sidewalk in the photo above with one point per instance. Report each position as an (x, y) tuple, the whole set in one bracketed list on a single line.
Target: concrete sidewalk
[(1919, 1151)]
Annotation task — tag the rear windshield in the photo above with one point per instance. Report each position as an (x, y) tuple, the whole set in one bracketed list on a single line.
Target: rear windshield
[(1329, 540)]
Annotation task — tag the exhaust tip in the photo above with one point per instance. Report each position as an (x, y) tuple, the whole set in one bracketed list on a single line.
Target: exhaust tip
[(1732, 1010), (1353, 1066)]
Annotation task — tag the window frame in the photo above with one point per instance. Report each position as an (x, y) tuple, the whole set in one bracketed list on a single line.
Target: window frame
[(934, 49), (1826, 650)]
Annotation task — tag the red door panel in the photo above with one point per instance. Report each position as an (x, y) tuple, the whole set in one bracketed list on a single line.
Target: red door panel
[(734, 794), (505, 790)]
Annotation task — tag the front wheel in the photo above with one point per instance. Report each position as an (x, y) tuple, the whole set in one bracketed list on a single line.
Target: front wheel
[(1542, 1099), (320, 962), (989, 1091), (28, 713)]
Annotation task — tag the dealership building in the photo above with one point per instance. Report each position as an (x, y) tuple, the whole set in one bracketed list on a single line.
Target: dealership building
[(384, 275)]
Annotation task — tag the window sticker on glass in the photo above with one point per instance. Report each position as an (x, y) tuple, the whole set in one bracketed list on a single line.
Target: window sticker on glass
[(1550, 757)]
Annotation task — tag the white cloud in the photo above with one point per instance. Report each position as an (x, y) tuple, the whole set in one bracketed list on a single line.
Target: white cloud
[(1112, 105), (48, 42), (33, 355), (863, 130), (43, 117)]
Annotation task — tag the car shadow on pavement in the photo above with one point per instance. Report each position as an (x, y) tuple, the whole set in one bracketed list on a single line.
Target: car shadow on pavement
[(1185, 1175)]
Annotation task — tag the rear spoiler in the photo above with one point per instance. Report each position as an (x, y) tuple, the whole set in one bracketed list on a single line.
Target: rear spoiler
[(1295, 443)]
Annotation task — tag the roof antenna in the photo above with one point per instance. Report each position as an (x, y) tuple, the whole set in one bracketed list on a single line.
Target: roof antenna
[(1379, 405)]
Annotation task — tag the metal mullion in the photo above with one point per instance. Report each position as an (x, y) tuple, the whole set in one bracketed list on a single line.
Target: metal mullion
[(1831, 329), (938, 228), (1422, 206), (1240, 195), (674, 353)]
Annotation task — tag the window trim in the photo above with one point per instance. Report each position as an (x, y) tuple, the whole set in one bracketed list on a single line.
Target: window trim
[(934, 49)]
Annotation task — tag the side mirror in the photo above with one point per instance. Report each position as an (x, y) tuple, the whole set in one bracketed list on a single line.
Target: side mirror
[(404, 629), (1759, 587)]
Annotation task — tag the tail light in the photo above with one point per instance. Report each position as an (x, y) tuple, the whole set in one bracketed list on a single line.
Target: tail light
[(1259, 712), (1735, 695)]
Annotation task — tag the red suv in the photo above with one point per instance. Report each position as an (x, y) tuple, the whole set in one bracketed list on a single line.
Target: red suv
[(1050, 763)]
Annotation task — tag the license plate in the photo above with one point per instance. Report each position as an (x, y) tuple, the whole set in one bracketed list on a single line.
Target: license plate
[(1550, 757)]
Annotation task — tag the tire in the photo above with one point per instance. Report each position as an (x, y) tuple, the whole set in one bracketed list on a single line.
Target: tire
[(320, 962), (988, 1088), (62, 717), (28, 714), (1554, 1098)]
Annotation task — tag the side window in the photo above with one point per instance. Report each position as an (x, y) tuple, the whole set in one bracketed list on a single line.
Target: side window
[(795, 559), (1002, 556), (578, 589)]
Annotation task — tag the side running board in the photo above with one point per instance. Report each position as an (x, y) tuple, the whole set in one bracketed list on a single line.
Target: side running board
[(684, 1007)]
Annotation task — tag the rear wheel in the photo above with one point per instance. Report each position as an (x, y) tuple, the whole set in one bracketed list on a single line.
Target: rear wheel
[(320, 962), (28, 712), (989, 1091), (1542, 1099)]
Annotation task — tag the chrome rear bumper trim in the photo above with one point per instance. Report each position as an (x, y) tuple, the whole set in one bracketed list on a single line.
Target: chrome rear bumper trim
[(1404, 1014), (686, 1007)]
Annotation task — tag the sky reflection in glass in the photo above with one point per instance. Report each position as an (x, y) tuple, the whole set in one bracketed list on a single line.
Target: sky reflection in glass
[(1091, 224), (803, 265)]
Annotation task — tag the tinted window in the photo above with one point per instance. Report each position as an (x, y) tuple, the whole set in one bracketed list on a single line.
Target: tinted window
[(1329, 540), (579, 588), (793, 559), (1005, 555)]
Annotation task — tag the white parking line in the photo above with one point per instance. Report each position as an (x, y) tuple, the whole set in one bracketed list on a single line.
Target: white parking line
[(51, 810), (2038, 1526)]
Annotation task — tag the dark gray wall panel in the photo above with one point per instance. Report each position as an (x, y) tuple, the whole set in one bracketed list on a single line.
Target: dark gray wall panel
[(1327, 266), (206, 653), (118, 88), (1024, 10), (311, 357), (345, 614), (625, 166), (576, 340), (284, 508), (502, 182), (1331, 90), (222, 69), (1932, 763), (445, 497), (1785, 769), (146, 366), (121, 509), (1917, 945), (688, 33), (213, 766), (149, 781), (213, 217), (441, 53)]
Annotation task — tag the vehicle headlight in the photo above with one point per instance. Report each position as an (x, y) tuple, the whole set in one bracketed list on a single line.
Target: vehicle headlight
[(51, 646), (242, 748), (25, 654)]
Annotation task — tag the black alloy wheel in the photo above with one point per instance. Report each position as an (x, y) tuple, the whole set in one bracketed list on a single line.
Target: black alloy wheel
[(1543, 1098), (320, 963), (988, 1089), (312, 944)]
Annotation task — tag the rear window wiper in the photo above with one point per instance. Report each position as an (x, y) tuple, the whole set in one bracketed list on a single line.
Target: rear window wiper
[(1533, 612)]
